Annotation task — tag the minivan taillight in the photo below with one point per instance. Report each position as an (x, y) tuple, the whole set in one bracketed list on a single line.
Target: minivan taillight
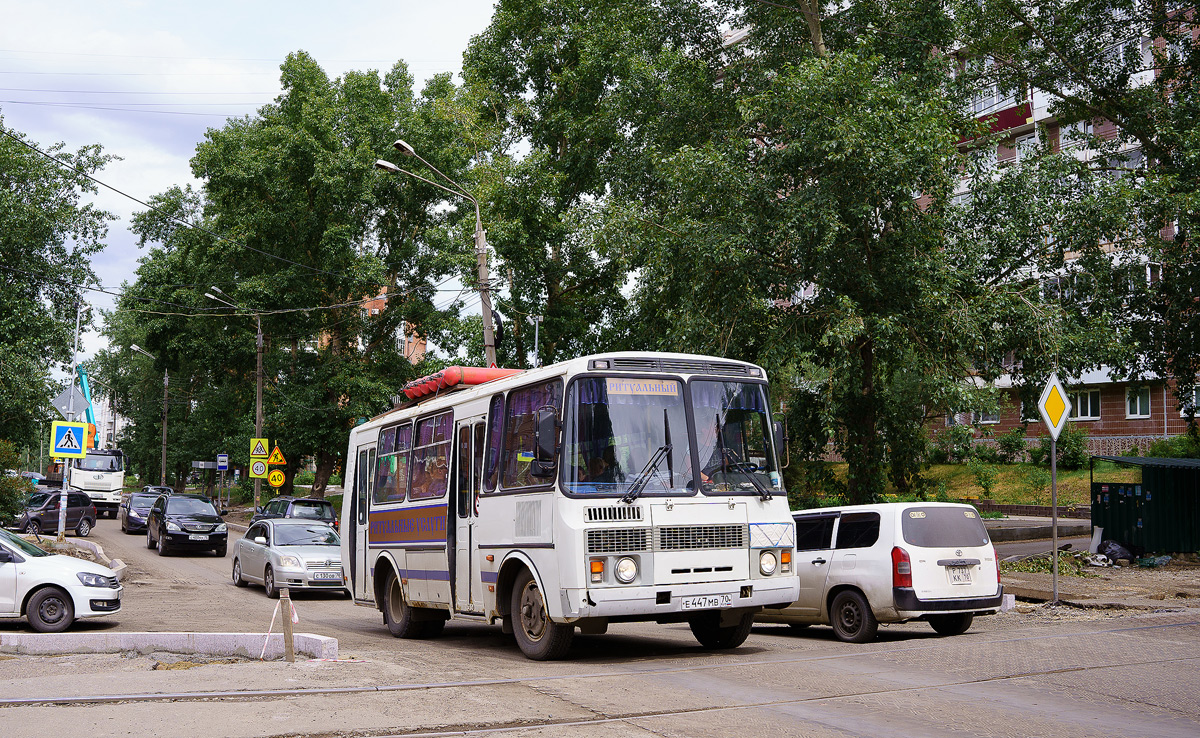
[(901, 568)]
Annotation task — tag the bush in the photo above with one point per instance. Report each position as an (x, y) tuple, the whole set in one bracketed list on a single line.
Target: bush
[(954, 444), (304, 477), (1035, 483), (985, 475), (13, 490), (1072, 449), (1186, 446), (987, 452), (1012, 446)]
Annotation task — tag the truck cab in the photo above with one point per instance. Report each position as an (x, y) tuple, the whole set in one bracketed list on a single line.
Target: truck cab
[(101, 475)]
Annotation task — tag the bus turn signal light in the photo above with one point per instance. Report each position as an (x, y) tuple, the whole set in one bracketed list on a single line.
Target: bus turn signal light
[(785, 558), (597, 570)]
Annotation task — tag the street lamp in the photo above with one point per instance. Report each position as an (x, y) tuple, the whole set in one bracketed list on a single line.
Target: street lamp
[(258, 411), (162, 476), (485, 298)]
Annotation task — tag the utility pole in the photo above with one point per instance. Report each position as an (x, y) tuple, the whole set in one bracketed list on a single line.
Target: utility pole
[(62, 496), (162, 480), (258, 413)]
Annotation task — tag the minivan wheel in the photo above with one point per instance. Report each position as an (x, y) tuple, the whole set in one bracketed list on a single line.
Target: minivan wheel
[(851, 617), (149, 539), (83, 528), (951, 625)]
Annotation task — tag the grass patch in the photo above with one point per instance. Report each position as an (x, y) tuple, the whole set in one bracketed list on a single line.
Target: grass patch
[(1016, 484)]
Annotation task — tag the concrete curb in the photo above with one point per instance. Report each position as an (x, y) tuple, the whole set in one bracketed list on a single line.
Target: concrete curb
[(1036, 532), (248, 645), (116, 565)]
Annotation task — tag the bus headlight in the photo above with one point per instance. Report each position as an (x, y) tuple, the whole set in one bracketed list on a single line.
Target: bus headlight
[(767, 563), (626, 570)]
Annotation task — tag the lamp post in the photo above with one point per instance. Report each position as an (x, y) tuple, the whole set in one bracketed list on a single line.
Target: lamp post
[(258, 374), (485, 297), (162, 477)]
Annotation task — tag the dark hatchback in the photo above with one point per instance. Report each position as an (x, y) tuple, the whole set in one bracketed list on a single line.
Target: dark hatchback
[(134, 510), (305, 508), (185, 523)]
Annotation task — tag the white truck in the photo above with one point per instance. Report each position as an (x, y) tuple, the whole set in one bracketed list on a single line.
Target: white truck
[(101, 476)]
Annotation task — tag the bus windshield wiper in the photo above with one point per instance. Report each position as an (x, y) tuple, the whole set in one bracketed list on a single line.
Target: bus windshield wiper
[(643, 477)]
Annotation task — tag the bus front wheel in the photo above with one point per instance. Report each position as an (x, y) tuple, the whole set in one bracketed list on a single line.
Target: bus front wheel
[(539, 637), (707, 628)]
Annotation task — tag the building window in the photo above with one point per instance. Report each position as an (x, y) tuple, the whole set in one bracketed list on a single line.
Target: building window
[(1193, 405), (984, 417), (1085, 404), (1029, 412), (1024, 147), (1137, 401)]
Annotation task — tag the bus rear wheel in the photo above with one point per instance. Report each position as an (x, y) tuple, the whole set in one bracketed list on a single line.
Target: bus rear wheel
[(401, 619), (539, 637)]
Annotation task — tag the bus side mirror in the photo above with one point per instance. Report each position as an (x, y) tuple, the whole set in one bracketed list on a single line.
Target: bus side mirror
[(545, 437), (781, 444)]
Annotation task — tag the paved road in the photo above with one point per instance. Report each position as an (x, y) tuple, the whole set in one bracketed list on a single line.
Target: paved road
[(1025, 548), (1050, 673)]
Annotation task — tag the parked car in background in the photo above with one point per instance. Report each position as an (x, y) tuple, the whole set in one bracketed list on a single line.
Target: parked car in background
[(41, 513), (134, 508), (292, 553), (890, 563), (306, 508), (52, 590), (157, 489), (185, 523)]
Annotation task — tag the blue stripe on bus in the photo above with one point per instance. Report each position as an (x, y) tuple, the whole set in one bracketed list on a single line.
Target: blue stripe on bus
[(489, 577), (436, 575)]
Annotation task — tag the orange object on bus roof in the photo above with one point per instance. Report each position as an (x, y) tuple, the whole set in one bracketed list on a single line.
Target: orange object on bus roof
[(453, 376)]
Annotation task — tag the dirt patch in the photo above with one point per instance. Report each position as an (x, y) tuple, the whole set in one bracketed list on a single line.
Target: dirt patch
[(192, 663), (1175, 584), (66, 548)]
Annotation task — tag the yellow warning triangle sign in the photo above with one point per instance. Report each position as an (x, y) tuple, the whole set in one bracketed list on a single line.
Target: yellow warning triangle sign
[(276, 457), (258, 447)]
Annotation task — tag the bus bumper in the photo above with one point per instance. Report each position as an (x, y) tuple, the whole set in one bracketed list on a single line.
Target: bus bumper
[(652, 602)]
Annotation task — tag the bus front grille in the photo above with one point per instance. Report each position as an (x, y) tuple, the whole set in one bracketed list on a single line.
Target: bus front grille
[(686, 538), (617, 540)]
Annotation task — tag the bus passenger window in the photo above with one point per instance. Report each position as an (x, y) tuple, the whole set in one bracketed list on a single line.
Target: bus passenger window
[(391, 480), (519, 423), (431, 458), (495, 416)]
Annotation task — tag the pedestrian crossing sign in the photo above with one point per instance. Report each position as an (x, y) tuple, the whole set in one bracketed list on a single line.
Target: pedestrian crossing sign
[(68, 440)]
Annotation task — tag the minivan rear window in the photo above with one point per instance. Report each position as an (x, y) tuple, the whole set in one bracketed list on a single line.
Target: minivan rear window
[(943, 527)]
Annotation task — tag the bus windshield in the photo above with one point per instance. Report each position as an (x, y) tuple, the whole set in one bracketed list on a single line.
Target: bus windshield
[(100, 462), (733, 438), (620, 431)]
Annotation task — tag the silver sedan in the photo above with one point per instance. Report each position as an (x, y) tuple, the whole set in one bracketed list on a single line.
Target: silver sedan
[(292, 553)]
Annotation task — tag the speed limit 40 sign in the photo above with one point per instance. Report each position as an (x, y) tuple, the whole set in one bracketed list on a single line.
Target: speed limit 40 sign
[(258, 469), (276, 478)]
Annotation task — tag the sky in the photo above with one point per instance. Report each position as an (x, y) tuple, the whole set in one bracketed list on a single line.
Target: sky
[(145, 80)]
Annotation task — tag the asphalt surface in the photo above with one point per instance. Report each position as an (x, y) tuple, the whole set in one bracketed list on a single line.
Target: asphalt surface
[(1039, 671)]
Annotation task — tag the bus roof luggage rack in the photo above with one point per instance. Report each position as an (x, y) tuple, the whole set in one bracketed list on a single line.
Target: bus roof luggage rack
[(454, 377)]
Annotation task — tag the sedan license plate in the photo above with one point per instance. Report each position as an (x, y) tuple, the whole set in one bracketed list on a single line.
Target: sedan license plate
[(198, 537), (959, 574), (326, 575), (707, 602)]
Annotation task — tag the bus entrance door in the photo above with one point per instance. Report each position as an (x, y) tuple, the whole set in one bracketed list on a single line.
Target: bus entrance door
[(468, 475)]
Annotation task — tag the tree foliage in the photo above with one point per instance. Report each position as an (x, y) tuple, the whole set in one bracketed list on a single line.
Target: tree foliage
[(47, 236)]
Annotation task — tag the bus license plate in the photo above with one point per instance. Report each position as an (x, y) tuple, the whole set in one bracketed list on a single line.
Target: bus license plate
[(960, 574), (197, 537), (707, 602), (326, 575)]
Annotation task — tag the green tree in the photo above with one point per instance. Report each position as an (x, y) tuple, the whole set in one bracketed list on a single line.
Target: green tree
[(1121, 79), (47, 236)]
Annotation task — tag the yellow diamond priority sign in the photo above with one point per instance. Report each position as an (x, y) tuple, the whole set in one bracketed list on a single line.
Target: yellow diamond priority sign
[(1054, 406)]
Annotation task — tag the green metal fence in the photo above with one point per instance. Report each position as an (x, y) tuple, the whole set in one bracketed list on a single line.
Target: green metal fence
[(1159, 515)]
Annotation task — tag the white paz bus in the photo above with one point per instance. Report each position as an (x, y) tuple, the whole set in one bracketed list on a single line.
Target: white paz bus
[(611, 488)]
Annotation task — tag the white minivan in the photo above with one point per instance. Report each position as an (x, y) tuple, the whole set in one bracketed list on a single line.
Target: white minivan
[(863, 565), (52, 590)]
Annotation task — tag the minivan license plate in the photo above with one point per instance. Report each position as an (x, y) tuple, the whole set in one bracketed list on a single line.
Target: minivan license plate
[(705, 602), (960, 574)]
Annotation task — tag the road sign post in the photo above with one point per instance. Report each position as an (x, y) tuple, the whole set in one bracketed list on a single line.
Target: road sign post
[(1055, 408)]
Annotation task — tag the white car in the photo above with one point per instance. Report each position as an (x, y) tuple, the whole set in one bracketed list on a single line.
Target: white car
[(52, 590), (863, 565), (289, 552)]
